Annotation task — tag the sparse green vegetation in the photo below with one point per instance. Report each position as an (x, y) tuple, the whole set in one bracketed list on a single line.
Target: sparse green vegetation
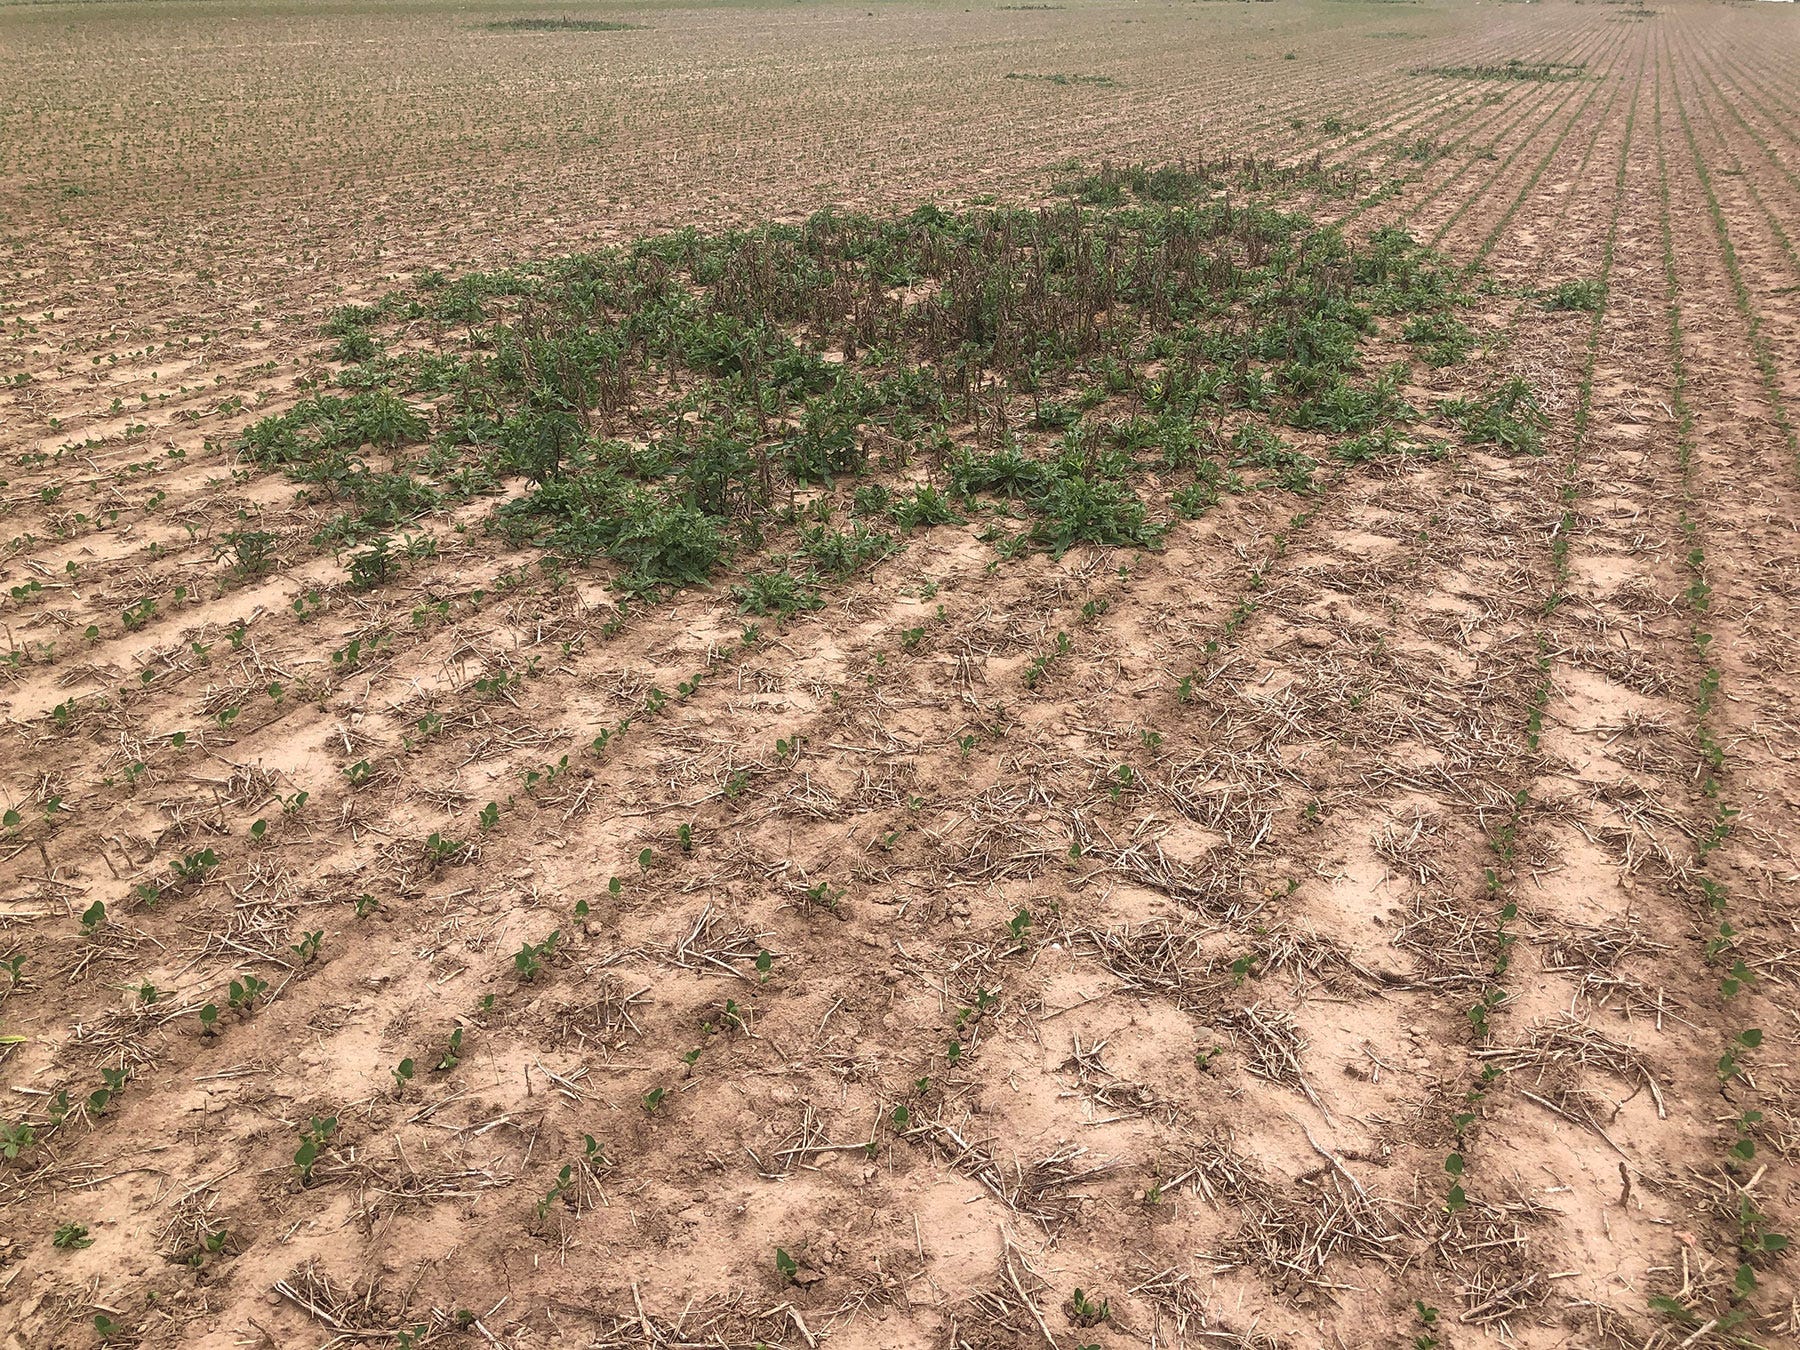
[(1535, 72), (671, 588), (558, 25)]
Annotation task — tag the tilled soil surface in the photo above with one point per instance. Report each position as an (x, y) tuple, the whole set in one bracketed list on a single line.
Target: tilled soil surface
[(1357, 909)]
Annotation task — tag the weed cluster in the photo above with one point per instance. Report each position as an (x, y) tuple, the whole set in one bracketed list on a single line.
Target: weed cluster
[(1216, 318), (559, 25), (1536, 72)]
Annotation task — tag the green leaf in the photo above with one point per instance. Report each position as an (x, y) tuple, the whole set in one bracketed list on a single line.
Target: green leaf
[(1671, 1308)]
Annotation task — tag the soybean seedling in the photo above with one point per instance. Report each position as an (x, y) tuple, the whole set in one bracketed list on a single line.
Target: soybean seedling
[(1729, 1066), (211, 1244), (452, 1055), (1455, 1199), (439, 849), (1428, 1316), (102, 1097), (191, 868), (557, 1191), (1086, 1313), (529, 959), (312, 1142), (594, 1156), (1745, 1148), (1736, 979), (823, 896)]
